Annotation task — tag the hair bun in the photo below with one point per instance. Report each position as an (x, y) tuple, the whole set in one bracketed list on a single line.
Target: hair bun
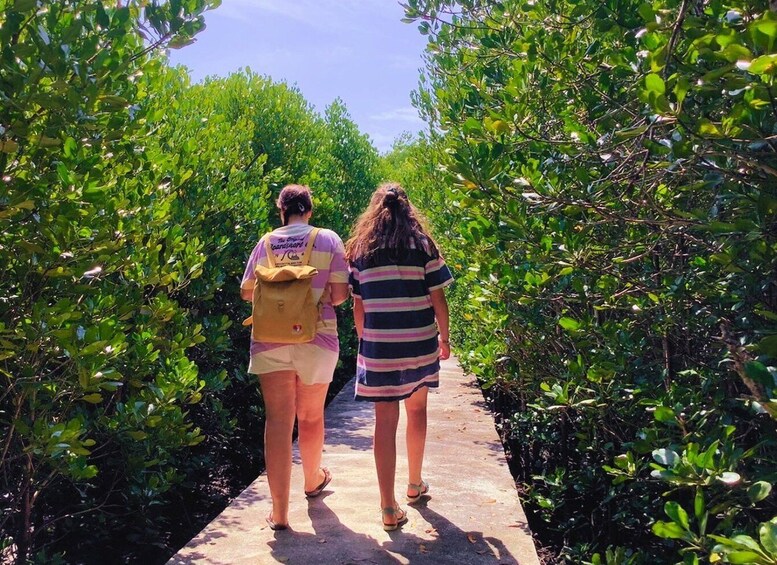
[(391, 197)]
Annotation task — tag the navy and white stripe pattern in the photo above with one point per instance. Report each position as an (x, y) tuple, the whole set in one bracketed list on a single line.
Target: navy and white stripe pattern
[(398, 351)]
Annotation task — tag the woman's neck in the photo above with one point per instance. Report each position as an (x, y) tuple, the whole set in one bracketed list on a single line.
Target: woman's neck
[(296, 220)]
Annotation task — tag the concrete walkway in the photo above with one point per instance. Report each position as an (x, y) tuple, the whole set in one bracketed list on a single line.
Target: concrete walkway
[(473, 516)]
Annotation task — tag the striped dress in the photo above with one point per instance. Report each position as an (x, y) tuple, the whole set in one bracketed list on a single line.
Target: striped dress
[(398, 350)]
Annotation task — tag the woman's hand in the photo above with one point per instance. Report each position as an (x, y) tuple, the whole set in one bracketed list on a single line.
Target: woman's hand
[(445, 349)]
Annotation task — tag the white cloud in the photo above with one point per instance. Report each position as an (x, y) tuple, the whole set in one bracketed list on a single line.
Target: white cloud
[(383, 142), (271, 60), (404, 114)]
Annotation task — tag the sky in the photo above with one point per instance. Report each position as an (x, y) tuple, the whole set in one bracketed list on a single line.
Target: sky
[(357, 50)]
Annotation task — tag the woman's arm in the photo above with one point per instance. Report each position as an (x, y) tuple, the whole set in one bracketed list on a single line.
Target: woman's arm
[(440, 305), (247, 294), (338, 293), (358, 315)]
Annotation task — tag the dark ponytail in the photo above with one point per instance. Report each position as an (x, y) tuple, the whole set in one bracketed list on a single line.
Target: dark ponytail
[(391, 198), (294, 200)]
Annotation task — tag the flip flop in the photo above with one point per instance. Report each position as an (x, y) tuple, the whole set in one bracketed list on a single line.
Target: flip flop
[(422, 488), (273, 525), (316, 491), (393, 511)]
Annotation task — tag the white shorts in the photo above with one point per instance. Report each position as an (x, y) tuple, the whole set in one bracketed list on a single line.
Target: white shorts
[(313, 364)]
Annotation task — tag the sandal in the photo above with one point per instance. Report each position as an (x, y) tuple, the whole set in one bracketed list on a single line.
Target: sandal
[(400, 514), (422, 488), (274, 526), (316, 491)]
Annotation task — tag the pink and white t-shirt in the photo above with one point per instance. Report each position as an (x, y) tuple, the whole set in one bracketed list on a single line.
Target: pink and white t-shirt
[(328, 256)]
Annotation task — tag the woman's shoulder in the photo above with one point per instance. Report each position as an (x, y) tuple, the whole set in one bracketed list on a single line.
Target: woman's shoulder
[(327, 232), (427, 247), (329, 235)]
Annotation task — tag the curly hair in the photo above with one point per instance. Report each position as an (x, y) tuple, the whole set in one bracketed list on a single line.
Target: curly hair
[(389, 222)]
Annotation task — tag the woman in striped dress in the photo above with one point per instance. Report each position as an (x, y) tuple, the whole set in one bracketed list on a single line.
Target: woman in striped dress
[(397, 280)]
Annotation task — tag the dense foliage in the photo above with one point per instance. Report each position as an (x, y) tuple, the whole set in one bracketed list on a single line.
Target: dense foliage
[(130, 200), (601, 176), (611, 172)]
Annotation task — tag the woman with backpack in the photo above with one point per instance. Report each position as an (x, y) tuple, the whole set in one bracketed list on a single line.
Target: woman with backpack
[(397, 280), (294, 377)]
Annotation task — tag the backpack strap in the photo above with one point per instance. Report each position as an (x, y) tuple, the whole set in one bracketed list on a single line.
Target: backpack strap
[(309, 247), (268, 251)]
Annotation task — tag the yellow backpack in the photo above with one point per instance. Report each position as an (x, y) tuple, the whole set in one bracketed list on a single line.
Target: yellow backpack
[(283, 306)]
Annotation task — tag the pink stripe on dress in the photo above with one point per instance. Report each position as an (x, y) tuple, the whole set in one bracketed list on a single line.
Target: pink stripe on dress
[(385, 365), (391, 391), (408, 273), (398, 335), (397, 305)]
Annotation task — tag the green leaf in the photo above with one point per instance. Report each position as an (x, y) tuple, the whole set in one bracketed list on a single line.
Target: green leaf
[(668, 530), (646, 12), (677, 513), (758, 491), (681, 88), (472, 125), (654, 83), (698, 504), (715, 74), (666, 457), (742, 541), (69, 147), (64, 174), (93, 194), (25, 5), (766, 314), (500, 126), (729, 478), (767, 533), (664, 414), (568, 323), (740, 557), (630, 133), (768, 27), (94, 398), (710, 129), (114, 101), (768, 346), (94, 347), (763, 65), (734, 52), (759, 373)]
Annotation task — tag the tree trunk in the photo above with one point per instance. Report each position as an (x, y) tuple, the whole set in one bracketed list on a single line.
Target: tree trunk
[(668, 364), (24, 528)]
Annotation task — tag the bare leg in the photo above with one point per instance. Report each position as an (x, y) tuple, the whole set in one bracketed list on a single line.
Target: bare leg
[(310, 423), (385, 449), (415, 406), (278, 392)]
